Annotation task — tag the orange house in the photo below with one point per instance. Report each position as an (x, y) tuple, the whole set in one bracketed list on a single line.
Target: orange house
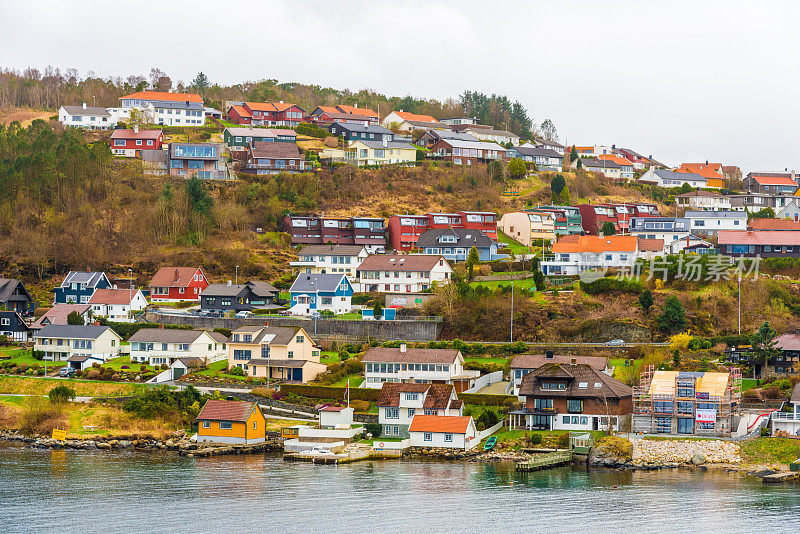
[(224, 421)]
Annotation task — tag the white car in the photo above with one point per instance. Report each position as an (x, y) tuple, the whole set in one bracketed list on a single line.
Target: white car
[(615, 343), (244, 313)]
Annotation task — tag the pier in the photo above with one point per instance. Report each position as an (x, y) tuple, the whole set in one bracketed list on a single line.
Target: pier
[(545, 460)]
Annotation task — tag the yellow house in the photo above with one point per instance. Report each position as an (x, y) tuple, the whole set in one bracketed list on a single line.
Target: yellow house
[(368, 152), (224, 421), (529, 228), (285, 352)]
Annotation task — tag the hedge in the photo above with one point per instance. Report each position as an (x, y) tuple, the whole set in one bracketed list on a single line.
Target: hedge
[(487, 400), (609, 285), (330, 392)]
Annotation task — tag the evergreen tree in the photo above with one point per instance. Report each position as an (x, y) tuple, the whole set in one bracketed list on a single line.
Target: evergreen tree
[(573, 155), (377, 308), (646, 300), (763, 343), (538, 279), (517, 168), (200, 83), (473, 258), (608, 228), (673, 318), (557, 184), (74, 318)]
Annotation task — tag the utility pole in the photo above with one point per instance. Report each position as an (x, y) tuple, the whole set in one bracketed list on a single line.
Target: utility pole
[(512, 311), (237, 275), (130, 292), (740, 305)]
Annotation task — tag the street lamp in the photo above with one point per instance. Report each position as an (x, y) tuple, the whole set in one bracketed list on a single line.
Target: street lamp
[(237, 275), (512, 311), (130, 292)]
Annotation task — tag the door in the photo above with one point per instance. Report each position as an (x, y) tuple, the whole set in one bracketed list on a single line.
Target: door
[(685, 426), (297, 374), (178, 372), (594, 423)]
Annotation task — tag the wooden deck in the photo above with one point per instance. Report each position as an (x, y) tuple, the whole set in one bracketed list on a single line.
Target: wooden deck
[(545, 461), (783, 476)]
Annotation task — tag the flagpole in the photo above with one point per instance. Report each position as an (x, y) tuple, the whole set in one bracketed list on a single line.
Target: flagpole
[(348, 392)]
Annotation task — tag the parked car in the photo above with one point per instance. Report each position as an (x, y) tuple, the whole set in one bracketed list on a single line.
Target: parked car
[(614, 343), (244, 313), (321, 451), (66, 372)]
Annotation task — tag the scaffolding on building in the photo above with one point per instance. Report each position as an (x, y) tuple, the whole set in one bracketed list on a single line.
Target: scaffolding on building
[(671, 405)]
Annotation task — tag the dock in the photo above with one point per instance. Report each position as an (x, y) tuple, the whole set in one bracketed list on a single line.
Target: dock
[(782, 476), (545, 460), (341, 458)]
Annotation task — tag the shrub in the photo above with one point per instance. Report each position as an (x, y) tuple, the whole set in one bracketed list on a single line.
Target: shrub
[(61, 394), (488, 418), (563, 441), (771, 393), (611, 285), (360, 405), (374, 428), (236, 371), (41, 417), (619, 447), (344, 355), (533, 439), (93, 374)]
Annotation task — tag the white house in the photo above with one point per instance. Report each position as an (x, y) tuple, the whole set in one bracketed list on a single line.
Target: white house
[(399, 402), (323, 259), (84, 116), (156, 346), (665, 178), (573, 254), (77, 342), (711, 222), (443, 431), (413, 273), (169, 109), (490, 134), (117, 304), (703, 200), (418, 366), (407, 122), (788, 422), (790, 211)]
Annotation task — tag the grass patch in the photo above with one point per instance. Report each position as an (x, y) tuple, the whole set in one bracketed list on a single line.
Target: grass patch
[(355, 381), (749, 383), (25, 357), (217, 370), (328, 357), (515, 246), (770, 450), (83, 388), (623, 372), (12, 400), (485, 359), (525, 283)]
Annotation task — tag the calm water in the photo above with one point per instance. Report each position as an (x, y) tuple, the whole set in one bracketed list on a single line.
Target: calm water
[(59, 491)]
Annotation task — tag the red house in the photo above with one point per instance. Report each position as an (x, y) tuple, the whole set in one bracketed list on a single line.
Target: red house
[(404, 230), (130, 143), (171, 284), (266, 114)]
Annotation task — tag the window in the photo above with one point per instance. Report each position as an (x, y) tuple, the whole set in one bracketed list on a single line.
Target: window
[(565, 419), (300, 339), (412, 396), (448, 438), (392, 413), (574, 405), (290, 354), (411, 412), (255, 423), (225, 425), (426, 436), (206, 424), (543, 404)]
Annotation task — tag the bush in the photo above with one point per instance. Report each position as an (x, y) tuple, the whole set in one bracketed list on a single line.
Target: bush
[(485, 400), (488, 418), (533, 439), (333, 393), (344, 355), (93, 374), (374, 428), (619, 447), (236, 371), (563, 441), (361, 406), (61, 394), (611, 285)]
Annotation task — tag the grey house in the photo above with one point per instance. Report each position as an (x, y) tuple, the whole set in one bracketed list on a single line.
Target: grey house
[(238, 297), (454, 244), (14, 296), (359, 132)]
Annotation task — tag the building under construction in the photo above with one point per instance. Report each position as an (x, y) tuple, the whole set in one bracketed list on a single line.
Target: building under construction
[(679, 402)]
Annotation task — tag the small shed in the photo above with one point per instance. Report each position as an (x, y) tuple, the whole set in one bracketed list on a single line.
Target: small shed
[(335, 417)]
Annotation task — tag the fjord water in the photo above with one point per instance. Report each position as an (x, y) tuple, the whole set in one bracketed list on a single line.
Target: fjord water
[(69, 491)]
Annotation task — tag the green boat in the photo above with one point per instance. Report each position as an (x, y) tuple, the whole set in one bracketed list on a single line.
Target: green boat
[(490, 443)]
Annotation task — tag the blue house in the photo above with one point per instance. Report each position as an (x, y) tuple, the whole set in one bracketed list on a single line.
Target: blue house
[(455, 243), (313, 293), (13, 326), (79, 286)]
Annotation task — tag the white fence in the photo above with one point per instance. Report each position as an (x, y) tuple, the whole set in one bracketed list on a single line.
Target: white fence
[(379, 445), (163, 376), (485, 380), (489, 431)]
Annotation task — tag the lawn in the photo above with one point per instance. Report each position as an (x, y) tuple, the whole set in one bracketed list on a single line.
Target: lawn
[(621, 371), (516, 247), (328, 357), (525, 283), (87, 388), (749, 383), (13, 400), (217, 369), (355, 381), (25, 357), (770, 450), (485, 359), (510, 435)]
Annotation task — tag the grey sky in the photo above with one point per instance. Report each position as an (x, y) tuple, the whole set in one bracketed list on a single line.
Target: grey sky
[(682, 80)]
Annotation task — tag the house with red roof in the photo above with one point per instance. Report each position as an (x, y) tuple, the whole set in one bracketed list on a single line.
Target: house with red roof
[(266, 114), (174, 284), (117, 305), (408, 122), (777, 183), (443, 431), (712, 172), (130, 143), (226, 421), (399, 403), (343, 114), (159, 107), (625, 166), (763, 243)]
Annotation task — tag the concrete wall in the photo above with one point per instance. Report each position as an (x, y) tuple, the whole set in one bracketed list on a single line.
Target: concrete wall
[(378, 330), (485, 380)]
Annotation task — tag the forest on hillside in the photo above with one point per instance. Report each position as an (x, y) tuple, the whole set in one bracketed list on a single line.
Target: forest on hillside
[(51, 87)]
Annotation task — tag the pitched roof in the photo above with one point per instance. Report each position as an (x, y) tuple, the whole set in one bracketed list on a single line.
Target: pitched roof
[(58, 314), (225, 410), (398, 262), (72, 331), (596, 243), (622, 162), (131, 134), (483, 145), (464, 238), (352, 110), (450, 134), (264, 149), (710, 170), (365, 128), (534, 151), (651, 245), (715, 214), (787, 342), (594, 163), (113, 296), (90, 278), (164, 96), (271, 335), (491, 131), (274, 362), (261, 289), (7, 287), (440, 423), (331, 250), (594, 382), (254, 132), (405, 115), (770, 224), (773, 178), (241, 111), (761, 237), (535, 361), (437, 398), (174, 276), (269, 106), (166, 335), (312, 283), (373, 143), (80, 110), (664, 174), (388, 354)]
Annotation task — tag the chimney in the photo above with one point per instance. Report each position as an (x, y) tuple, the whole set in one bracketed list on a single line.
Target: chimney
[(793, 176), (706, 163), (84, 105), (187, 102), (548, 355), (573, 361), (403, 348), (281, 102), (135, 128), (177, 276)]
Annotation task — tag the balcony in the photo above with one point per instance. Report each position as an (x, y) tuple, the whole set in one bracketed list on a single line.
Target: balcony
[(786, 416)]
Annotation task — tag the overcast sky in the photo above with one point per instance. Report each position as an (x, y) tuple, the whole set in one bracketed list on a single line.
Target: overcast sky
[(681, 80)]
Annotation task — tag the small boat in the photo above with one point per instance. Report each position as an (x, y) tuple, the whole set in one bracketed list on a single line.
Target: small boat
[(490, 443)]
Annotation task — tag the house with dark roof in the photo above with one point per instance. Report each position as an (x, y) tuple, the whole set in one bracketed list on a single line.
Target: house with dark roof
[(239, 297), (175, 284), (266, 114), (343, 114), (75, 343), (416, 366), (544, 159), (13, 326), (665, 178), (460, 152), (79, 286), (324, 259), (575, 397), (84, 116), (455, 243), (406, 273), (274, 158), (130, 143), (492, 135), (157, 346), (280, 353), (315, 293), (14, 296), (228, 421), (356, 132), (430, 137), (776, 183), (522, 364), (703, 200), (242, 137), (399, 403), (119, 305)]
